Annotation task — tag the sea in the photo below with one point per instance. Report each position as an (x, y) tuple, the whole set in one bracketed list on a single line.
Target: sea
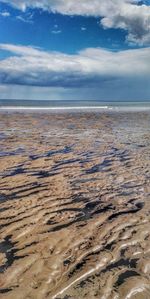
[(73, 105)]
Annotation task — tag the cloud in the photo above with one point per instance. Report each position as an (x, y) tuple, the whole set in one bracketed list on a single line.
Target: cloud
[(130, 15), (24, 20), (56, 31), (5, 14), (83, 28), (93, 67)]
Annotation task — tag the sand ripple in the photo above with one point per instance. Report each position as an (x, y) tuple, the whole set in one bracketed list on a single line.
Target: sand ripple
[(74, 205)]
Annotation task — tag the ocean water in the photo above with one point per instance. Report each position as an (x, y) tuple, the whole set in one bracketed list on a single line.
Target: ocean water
[(64, 105)]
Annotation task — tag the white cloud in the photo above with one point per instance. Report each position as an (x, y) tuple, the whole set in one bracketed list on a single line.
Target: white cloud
[(5, 14), (25, 20), (34, 67), (56, 31), (125, 14), (83, 28)]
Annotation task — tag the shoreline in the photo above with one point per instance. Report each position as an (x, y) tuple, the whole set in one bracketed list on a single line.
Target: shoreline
[(82, 108)]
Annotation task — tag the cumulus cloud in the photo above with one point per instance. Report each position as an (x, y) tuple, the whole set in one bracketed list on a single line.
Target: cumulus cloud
[(92, 67), (130, 15)]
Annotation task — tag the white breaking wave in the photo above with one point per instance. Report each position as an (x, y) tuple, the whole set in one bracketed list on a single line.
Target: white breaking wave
[(54, 108), (77, 108)]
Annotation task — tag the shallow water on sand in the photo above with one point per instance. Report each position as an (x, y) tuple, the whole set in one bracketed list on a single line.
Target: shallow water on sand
[(74, 205)]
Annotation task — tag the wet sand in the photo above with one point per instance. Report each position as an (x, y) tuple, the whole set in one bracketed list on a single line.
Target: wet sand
[(74, 205)]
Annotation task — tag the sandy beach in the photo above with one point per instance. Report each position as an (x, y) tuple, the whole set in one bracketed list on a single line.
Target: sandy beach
[(74, 205)]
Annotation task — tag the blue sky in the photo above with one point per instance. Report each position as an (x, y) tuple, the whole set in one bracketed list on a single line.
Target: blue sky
[(71, 49)]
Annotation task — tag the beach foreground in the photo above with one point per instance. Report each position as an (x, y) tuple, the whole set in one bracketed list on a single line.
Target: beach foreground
[(74, 205)]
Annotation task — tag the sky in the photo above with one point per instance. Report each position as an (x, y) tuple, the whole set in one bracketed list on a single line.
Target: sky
[(75, 50)]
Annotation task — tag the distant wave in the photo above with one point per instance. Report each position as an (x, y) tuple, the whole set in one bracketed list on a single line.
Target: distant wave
[(76, 108), (54, 108)]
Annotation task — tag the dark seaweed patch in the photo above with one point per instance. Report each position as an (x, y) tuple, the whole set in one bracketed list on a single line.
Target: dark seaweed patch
[(62, 226), (17, 171), (84, 214), (3, 209), (44, 174), (78, 198), (91, 205), (99, 167), (81, 181), (18, 151), (66, 162), (3, 291), (136, 208), (65, 150), (126, 193), (15, 195), (29, 245), (123, 276), (121, 263), (67, 262), (18, 187), (79, 266), (8, 248), (110, 245), (3, 197), (103, 209)]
